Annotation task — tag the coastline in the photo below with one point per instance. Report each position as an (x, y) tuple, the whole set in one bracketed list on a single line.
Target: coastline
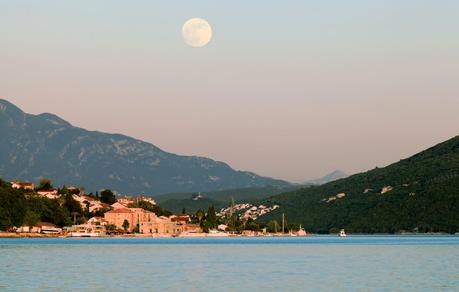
[(209, 235)]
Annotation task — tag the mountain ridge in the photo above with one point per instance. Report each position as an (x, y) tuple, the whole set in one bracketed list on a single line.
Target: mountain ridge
[(46, 145)]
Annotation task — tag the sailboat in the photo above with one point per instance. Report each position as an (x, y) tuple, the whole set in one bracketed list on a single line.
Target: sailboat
[(301, 232)]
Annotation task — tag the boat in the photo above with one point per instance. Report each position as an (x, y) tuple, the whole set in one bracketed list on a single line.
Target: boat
[(51, 230), (216, 233), (84, 234), (342, 233), (301, 232)]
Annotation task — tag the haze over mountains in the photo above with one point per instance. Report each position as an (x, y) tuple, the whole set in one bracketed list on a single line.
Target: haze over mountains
[(335, 175), (44, 145)]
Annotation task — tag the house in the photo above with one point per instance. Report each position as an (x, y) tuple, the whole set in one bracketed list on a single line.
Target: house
[(129, 200), (386, 189), (88, 201), (340, 195), (97, 205), (118, 216), (118, 205), (132, 215), (94, 227), (97, 221), (74, 189), (222, 227), (22, 185), (83, 200), (125, 201), (180, 218), (147, 199), (50, 194), (161, 226)]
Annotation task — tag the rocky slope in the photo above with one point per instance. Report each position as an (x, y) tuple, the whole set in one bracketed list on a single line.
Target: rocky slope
[(44, 145)]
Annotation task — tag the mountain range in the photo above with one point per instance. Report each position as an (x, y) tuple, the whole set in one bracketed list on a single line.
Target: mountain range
[(45, 145), (417, 194)]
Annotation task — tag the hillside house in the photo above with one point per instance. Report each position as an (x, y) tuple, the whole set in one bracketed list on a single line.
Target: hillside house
[(29, 186), (50, 194)]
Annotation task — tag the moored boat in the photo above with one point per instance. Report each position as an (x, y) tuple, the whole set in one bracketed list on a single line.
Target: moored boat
[(84, 234), (301, 232)]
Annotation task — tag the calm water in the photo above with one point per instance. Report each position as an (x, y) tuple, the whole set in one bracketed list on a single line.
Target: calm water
[(325, 263)]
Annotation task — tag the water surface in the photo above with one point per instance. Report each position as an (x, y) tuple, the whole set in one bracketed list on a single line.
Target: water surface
[(325, 263)]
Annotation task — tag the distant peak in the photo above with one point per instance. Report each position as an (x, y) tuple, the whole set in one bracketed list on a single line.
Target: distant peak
[(335, 175)]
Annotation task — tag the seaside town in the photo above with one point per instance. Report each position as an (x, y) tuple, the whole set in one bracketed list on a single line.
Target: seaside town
[(110, 215)]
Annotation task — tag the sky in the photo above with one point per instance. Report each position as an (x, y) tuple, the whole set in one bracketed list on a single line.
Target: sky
[(287, 89)]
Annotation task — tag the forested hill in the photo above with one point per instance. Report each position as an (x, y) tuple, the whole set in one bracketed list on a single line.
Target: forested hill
[(420, 193), (192, 202)]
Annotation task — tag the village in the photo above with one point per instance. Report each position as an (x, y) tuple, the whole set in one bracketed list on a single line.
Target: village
[(128, 216)]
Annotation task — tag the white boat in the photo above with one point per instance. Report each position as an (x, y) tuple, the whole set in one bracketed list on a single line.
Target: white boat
[(301, 232), (342, 233), (215, 233), (84, 234), (50, 230)]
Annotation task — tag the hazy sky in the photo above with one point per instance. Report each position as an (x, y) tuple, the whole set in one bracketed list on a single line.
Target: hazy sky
[(289, 89)]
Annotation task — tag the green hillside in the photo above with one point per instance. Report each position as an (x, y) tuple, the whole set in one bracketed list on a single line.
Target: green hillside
[(177, 201), (424, 197)]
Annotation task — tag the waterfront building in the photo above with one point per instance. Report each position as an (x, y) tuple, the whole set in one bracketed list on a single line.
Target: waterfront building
[(147, 221), (161, 226)]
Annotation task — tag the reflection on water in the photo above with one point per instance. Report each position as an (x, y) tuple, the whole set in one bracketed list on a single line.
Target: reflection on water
[(320, 263)]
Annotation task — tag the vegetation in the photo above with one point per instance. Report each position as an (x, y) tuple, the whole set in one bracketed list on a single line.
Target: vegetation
[(424, 198), (45, 184), (125, 225), (209, 221), (108, 197), (19, 207), (219, 199)]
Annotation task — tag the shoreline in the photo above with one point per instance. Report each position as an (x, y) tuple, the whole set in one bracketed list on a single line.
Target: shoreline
[(206, 235)]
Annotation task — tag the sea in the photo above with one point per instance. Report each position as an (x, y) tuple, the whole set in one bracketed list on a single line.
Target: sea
[(316, 263)]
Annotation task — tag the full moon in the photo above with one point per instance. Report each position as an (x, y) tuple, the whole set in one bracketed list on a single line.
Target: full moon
[(196, 32)]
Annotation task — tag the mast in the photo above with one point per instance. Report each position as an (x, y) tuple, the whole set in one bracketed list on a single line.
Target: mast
[(283, 223)]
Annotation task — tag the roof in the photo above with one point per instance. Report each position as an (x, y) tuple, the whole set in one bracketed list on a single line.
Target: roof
[(22, 183), (176, 218), (123, 210), (72, 188), (43, 224), (118, 203)]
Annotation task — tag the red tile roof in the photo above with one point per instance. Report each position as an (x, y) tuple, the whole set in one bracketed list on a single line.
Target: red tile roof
[(22, 183), (43, 224), (124, 210)]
